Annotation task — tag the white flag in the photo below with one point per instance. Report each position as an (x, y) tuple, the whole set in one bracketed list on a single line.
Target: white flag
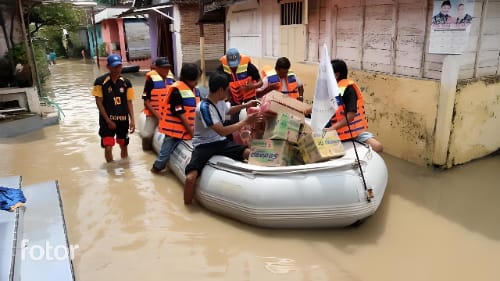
[(324, 103)]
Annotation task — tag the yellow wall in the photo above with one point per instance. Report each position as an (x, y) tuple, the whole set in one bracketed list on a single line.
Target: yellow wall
[(401, 112), (476, 124)]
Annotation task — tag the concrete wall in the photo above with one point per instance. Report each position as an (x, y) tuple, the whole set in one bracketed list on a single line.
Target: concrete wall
[(401, 111), (476, 122), (413, 103), (27, 98)]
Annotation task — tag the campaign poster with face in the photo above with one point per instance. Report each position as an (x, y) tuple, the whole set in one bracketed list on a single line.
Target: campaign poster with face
[(450, 26)]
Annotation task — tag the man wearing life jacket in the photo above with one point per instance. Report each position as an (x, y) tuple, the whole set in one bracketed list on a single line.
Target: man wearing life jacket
[(113, 97), (282, 79), (155, 89), (177, 113), (351, 109), (244, 79)]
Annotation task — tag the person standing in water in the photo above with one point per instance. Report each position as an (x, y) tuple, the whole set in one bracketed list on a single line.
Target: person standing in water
[(113, 96)]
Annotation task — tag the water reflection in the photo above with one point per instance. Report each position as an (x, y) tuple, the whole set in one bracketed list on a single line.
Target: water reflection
[(132, 225)]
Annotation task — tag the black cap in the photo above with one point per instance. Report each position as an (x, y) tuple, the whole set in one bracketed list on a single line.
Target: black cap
[(162, 62)]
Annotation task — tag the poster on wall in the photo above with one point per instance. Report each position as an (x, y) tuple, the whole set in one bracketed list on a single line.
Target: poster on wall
[(450, 27)]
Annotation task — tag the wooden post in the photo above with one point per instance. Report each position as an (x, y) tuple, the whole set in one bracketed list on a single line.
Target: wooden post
[(363, 21), (428, 7), (334, 31), (394, 39), (202, 45), (479, 37), (30, 54), (95, 37), (202, 54)]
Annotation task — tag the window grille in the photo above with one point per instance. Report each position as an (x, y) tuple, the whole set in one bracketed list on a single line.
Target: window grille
[(291, 13)]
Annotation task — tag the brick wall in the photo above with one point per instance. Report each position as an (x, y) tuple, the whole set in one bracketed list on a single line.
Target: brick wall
[(190, 37)]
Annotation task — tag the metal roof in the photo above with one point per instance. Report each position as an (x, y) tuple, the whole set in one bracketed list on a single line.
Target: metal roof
[(109, 13)]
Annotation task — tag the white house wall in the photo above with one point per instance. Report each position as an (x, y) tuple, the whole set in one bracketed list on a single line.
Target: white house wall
[(386, 46), (244, 29), (489, 49), (270, 29), (176, 39)]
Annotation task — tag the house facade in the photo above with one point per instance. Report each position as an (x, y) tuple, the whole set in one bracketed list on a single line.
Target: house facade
[(124, 36), (432, 89), (174, 30), (18, 91)]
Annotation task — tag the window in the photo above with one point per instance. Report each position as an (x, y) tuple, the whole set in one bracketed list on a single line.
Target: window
[(291, 13), (293, 23)]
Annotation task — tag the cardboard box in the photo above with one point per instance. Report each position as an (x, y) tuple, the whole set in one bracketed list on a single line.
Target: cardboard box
[(277, 102), (306, 130), (271, 153), (321, 147), (283, 126), (295, 156)]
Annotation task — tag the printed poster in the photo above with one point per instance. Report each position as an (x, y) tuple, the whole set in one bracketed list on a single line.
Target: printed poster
[(450, 27)]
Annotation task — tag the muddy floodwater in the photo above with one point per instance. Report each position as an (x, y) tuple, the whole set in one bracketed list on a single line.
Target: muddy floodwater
[(130, 224)]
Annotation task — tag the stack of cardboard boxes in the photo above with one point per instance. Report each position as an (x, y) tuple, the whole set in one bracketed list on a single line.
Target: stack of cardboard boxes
[(287, 139)]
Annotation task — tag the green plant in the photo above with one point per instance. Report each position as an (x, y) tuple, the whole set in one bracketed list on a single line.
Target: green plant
[(42, 65), (102, 50), (17, 54)]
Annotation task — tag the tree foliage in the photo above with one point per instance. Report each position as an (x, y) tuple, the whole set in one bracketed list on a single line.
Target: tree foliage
[(59, 15), (119, 2), (107, 2)]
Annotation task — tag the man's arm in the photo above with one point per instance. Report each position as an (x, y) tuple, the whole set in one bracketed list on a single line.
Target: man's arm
[(342, 122), (103, 113), (350, 100), (211, 119), (146, 96), (131, 116), (237, 108), (97, 93), (254, 73), (130, 105), (266, 88), (227, 130), (185, 122), (301, 92)]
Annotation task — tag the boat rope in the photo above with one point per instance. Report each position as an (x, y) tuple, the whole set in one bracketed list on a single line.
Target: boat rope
[(368, 191)]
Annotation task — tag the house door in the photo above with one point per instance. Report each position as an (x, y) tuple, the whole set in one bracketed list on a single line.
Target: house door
[(165, 42)]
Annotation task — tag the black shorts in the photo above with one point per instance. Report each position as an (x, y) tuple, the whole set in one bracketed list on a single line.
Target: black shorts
[(121, 131), (203, 152)]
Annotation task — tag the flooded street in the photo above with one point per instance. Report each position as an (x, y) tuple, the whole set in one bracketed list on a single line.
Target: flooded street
[(130, 224)]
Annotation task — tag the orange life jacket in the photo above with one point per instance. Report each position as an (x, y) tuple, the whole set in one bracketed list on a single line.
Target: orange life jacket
[(291, 82), (159, 90), (264, 70), (170, 124), (239, 78), (359, 124)]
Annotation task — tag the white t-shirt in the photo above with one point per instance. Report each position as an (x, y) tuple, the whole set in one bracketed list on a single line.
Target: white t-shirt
[(208, 115)]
